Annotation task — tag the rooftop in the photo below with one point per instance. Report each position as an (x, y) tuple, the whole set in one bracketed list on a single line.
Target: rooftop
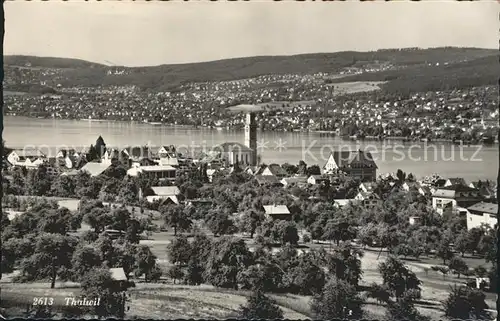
[(353, 159), (165, 190), (95, 169), (484, 207), (276, 209), (159, 168)]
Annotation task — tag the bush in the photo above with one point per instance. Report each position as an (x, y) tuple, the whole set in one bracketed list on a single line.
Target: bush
[(260, 306)]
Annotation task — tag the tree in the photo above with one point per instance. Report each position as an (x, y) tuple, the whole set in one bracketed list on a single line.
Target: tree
[(51, 258), (461, 243), (179, 250), (397, 277), (145, 262), (249, 222), (480, 271), (38, 181), (401, 176), (337, 300), (55, 221), (458, 266), (175, 272), (134, 230), (119, 219), (339, 229), (98, 218), (100, 147), (84, 259), (290, 169), (465, 303), (302, 168), (313, 170), (286, 232), (227, 257), (345, 263), (305, 276), (63, 186), (220, 223), (443, 250), (98, 283), (175, 216), (260, 306), (265, 275), (404, 309), (194, 272), (128, 193)]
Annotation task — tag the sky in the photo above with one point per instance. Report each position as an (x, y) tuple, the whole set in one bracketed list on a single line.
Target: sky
[(151, 33)]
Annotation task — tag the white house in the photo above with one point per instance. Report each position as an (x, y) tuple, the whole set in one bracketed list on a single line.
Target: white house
[(277, 212), (367, 187), (357, 164), (168, 160), (162, 193), (95, 169), (447, 199), (482, 213), (369, 200), (317, 179), (300, 181), (342, 202), (414, 220), (26, 157), (272, 170), (232, 153), (167, 151), (455, 181), (159, 172), (210, 173)]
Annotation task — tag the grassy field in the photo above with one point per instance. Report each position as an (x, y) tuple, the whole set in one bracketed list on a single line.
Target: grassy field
[(355, 87), (178, 301)]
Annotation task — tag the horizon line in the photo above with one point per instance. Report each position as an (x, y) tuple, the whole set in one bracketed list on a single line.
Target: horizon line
[(110, 64)]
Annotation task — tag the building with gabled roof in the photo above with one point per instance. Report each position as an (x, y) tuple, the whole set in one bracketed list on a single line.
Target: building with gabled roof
[(318, 179), (272, 180), (280, 212), (482, 213), (159, 172), (454, 181), (161, 193), (232, 153), (368, 199), (446, 199), (95, 169), (357, 164), (272, 170), (28, 157), (299, 181)]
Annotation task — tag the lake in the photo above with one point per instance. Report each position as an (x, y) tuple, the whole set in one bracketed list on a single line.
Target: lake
[(469, 162)]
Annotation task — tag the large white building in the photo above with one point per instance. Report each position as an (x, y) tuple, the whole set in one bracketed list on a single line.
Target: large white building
[(482, 213)]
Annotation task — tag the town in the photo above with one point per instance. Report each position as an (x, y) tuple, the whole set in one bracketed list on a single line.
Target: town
[(151, 215), (332, 102), (167, 160)]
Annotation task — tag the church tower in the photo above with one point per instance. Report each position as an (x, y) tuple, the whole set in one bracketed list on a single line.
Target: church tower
[(251, 136)]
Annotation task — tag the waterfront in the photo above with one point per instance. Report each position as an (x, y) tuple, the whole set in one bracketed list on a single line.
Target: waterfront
[(469, 162)]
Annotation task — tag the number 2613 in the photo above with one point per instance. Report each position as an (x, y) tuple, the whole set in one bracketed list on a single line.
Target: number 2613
[(43, 301)]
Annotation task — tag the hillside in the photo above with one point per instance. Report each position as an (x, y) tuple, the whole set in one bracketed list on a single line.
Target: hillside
[(413, 64), (477, 72), (48, 62)]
